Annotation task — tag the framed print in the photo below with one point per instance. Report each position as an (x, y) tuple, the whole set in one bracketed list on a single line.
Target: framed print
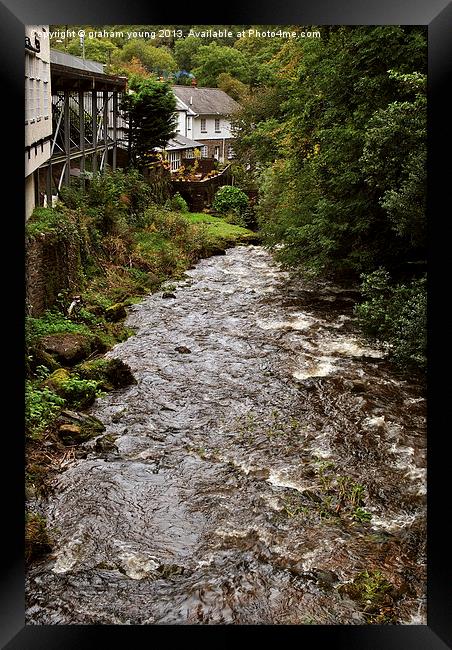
[(229, 372)]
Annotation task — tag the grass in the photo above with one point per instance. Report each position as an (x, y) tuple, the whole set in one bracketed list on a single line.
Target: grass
[(220, 231)]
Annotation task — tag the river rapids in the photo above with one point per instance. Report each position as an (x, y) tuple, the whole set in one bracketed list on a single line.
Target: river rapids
[(269, 467)]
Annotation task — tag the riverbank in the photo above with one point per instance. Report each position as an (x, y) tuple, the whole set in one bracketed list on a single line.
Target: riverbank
[(66, 368)]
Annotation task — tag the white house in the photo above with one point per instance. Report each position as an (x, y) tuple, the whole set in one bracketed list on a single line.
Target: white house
[(203, 115), (38, 108)]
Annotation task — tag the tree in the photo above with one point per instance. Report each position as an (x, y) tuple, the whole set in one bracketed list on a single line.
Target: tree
[(149, 106), (233, 87), (211, 60), (185, 50), (158, 60), (322, 146), (97, 49)]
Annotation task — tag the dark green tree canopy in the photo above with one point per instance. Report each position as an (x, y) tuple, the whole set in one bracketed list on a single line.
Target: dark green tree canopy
[(149, 107)]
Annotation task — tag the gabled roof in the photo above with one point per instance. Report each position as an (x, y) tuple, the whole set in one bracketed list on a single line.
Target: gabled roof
[(206, 101), (182, 142)]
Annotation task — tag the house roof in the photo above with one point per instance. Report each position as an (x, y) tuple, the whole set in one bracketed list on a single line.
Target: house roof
[(72, 72), (181, 142), (206, 101)]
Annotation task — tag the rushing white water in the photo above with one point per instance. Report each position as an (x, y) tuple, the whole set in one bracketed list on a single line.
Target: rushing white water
[(265, 459)]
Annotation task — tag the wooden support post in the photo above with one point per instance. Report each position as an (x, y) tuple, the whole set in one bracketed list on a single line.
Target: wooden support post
[(81, 111), (94, 125), (67, 141), (49, 185), (115, 128), (105, 128)]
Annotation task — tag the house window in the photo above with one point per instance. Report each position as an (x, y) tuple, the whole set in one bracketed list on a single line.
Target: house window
[(188, 123), (46, 99), (216, 154), (203, 125), (189, 153), (204, 152), (32, 100), (38, 99), (174, 158), (217, 125), (230, 151)]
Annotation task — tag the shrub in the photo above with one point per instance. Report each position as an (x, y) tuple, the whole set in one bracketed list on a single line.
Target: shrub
[(229, 198), (53, 322), (396, 314), (171, 225), (112, 199), (41, 407), (177, 203)]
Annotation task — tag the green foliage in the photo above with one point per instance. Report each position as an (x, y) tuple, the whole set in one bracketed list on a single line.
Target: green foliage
[(150, 107), (78, 392), (41, 407), (230, 199), (96, 49), (177, 203), (233, 87), (211, 60), (158, 60), (113, 200), (324, 133), (395, 159), (374, 593), (56, 221), (53, 322), (396, 313), (185, 50)]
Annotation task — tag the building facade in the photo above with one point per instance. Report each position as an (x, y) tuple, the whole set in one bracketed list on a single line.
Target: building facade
[(204, 115), (38, 108)]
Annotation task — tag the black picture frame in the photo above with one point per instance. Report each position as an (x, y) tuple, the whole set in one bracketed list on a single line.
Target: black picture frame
[(14, 14)]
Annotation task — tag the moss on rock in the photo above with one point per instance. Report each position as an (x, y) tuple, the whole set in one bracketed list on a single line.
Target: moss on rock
[(116, 312), (67, 348), (75, 428), (108, 373), (77, 391)]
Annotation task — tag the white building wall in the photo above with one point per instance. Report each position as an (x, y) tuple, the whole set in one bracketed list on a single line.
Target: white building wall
[(38, 100), (210, 133), (181, 126)]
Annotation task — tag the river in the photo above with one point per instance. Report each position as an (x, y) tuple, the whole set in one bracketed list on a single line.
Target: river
[(267, 468)]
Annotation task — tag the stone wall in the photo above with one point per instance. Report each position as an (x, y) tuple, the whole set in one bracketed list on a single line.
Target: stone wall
[(52, 266), (199, 194)]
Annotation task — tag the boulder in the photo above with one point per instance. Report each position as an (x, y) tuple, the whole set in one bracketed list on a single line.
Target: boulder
[(57, 380), (183, 350), (116, 312), (109, 373), (75, 428), (67, 348), (39, 357)]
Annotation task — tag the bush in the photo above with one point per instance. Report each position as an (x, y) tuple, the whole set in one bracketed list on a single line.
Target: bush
[(230, 199), (112, 199), (41, 407), (396, 314), (177, 203)]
